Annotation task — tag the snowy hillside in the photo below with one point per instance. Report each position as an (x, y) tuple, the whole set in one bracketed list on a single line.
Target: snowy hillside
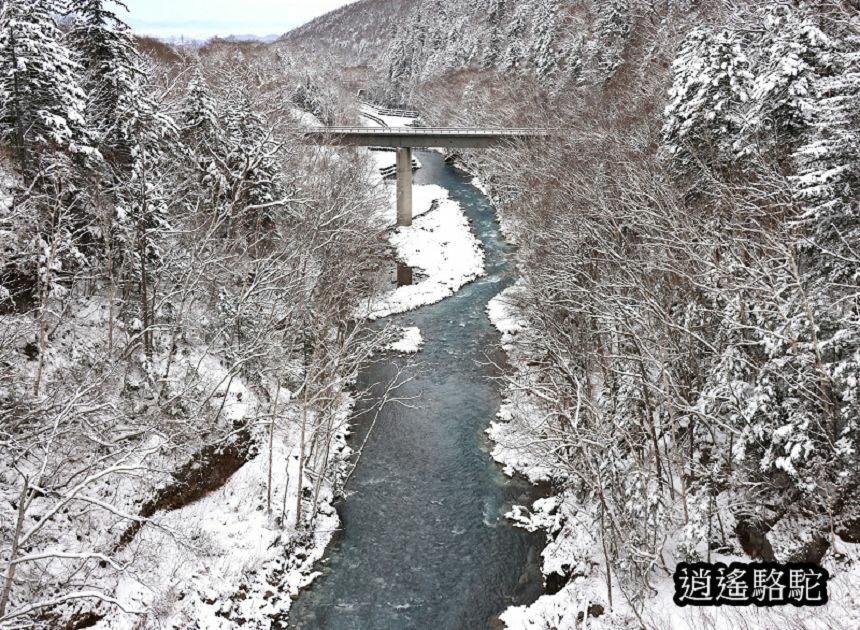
[(178, 346)]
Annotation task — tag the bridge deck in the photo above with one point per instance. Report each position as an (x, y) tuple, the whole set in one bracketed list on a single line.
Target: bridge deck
[(420, 137)]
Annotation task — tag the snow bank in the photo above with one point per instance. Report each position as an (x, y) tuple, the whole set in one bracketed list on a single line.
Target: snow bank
[(225, 560), (303, 118), (512, 434), (410, 341), (477, 183), (423, 197), (505, 315), (566, 609), (440, 245)]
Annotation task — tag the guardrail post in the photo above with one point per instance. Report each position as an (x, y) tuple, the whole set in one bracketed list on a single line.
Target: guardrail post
[(404, 186)]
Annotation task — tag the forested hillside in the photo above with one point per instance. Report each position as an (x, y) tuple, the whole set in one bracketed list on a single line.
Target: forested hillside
[(357, 33), (686, 331), (179, 278)]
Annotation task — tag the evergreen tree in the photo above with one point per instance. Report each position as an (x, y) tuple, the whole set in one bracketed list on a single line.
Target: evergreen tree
[(41, 103), (199, 118), (111, 71), (204, 145), (543, 51), (252, 176), (828, 180), (795, 52), (711, 84), (495, 19), (612, 26), (516, 34)]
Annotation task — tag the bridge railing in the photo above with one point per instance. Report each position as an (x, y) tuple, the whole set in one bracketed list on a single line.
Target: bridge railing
[(425, 131)]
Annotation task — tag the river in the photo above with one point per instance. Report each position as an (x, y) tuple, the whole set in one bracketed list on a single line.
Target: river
[(424, 541)]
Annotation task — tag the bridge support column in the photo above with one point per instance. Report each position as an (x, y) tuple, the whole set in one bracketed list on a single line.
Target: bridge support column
[(404, 186)]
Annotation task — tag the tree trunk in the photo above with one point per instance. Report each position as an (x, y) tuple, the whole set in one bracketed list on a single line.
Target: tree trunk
[(13, 554), (274, 415), (141, 252), (302, 455), (43, 314)]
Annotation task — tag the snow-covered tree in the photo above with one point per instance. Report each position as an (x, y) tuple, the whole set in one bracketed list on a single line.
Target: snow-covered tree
[(41, 102), (199, 118), (711, 82), (252, 154), (309, 97), (496, 15), (612, 26), (544, 52), (828, 179), (111, 72), (794, 54)]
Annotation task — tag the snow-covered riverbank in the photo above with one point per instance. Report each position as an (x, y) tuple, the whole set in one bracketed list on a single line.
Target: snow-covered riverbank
[(573, 560), (237, 563)]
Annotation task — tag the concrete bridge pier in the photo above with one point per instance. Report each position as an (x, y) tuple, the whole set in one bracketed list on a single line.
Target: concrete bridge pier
[(404, 186)]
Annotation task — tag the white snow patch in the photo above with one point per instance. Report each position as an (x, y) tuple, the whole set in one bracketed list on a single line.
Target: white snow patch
[(423, 196), (440, 245), (201, 554), (410, 341), (305, 119), (477, 183), (504, 313)]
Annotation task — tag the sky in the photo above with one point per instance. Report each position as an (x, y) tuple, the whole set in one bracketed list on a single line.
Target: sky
[(201, 19)]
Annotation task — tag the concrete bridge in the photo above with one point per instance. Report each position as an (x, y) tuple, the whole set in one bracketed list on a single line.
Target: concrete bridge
[(404, 139)]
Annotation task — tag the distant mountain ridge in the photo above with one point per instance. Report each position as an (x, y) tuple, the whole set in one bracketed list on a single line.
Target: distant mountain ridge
[(267, 39), (358, 33), (179, 39)]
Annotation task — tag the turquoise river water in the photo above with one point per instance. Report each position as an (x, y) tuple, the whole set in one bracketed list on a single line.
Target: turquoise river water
[(424, 541)]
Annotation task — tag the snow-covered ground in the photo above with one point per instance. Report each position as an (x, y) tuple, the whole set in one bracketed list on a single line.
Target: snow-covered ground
[(303, 118), (389, 121), (221, 558), (440, 246), (225, 557), (514, 444), (574, 548)]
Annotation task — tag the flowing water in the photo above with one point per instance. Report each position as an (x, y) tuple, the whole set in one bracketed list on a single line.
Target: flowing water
[(424, 542)]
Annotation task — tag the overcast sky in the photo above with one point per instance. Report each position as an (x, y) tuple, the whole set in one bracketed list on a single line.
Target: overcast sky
[(199, 19)]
